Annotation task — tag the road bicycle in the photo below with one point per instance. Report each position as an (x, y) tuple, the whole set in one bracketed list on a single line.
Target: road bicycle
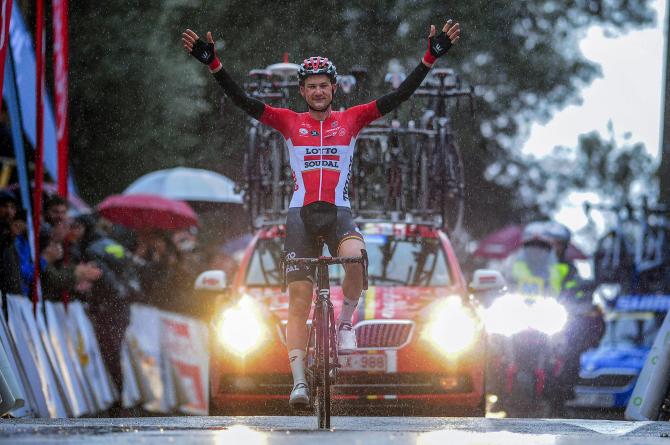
[(321, 351), (446, 179), (267, 186)]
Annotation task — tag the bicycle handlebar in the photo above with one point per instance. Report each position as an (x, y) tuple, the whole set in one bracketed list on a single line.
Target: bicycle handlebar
[(325, 260)]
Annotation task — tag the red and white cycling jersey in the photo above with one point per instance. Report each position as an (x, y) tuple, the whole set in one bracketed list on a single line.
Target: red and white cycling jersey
[(321, 152)]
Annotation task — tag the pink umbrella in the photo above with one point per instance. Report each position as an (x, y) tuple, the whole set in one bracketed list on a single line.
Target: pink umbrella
[(147, 212), (501, 243)]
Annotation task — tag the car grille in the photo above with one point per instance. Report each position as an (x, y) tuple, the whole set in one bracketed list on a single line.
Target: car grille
[(373, 334), (607, 380), (383, 333)]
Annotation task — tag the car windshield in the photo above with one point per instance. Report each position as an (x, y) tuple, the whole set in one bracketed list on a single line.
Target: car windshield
[(415, 261), (634, 329)]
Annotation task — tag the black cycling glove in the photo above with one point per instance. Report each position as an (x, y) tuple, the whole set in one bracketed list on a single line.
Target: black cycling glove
[(204, 52), (439, 45)]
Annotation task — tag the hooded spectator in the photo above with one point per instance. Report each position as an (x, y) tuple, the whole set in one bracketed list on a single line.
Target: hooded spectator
[(111, 295), (10, 269)]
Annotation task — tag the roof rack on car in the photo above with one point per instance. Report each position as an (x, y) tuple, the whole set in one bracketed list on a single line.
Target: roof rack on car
[(431, 219)]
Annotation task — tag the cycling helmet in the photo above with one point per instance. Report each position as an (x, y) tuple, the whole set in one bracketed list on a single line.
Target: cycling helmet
[(536, 233), (317, 65)]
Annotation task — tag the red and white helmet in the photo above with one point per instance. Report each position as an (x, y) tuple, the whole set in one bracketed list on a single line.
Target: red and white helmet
[(317, 65)]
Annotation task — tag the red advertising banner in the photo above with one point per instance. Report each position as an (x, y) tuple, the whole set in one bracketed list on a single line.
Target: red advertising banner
[(5, 15), (39, 147), (60, 28)]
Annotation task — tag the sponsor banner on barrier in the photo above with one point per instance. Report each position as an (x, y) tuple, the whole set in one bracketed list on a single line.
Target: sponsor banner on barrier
[(184, 342), (143, 344), (166, 362)]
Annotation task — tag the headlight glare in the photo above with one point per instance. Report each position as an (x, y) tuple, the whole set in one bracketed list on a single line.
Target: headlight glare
[(452, 328), (241, 328), (549, 316)]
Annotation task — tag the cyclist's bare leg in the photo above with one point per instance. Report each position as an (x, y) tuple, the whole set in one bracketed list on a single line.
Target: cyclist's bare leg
[(300, 303), (353, 278)]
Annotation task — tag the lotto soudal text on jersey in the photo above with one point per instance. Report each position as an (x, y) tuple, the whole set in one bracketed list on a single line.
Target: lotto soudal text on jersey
[(320, 152)]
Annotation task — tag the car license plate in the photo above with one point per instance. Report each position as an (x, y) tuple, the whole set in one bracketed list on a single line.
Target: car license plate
[(363, 362), (593, 400)]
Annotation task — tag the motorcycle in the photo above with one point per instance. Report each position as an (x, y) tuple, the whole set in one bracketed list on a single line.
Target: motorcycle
[(525, 350), (526, 330)]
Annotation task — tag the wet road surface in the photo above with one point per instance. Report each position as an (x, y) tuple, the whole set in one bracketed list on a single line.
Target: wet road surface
[(346, 430)]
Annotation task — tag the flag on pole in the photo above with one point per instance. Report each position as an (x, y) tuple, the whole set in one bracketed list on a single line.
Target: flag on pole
[(39, 149), (5, 16), (60, 29)]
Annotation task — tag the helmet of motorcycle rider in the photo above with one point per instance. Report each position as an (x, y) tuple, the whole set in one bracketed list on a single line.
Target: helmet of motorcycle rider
[(535, 233), (314, 65), (560, 234)]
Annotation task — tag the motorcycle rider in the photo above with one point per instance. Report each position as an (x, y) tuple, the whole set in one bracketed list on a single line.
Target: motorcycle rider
[(585, 323), (534, 270)]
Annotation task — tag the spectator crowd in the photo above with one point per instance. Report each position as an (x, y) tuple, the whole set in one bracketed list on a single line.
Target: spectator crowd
[(106, 266)]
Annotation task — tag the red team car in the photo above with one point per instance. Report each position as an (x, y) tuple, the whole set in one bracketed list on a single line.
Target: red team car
[(421, 344)]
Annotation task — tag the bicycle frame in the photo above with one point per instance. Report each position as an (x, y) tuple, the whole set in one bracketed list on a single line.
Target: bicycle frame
[(321, 349)]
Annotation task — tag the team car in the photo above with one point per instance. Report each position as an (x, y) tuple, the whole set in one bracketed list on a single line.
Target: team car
[(421, 343)]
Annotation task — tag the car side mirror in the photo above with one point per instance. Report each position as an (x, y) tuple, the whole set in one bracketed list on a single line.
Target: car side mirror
[(211, 280), (485, 280)]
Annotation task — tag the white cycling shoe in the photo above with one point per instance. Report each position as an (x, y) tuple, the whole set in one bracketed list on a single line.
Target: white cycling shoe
[(346, 339), (299, 399)]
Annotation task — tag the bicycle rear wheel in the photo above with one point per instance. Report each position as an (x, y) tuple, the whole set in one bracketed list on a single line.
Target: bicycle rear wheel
[(323, 390), (454, 192)]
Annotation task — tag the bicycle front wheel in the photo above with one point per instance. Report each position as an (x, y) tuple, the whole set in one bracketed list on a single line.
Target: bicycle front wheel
[(323, 391)]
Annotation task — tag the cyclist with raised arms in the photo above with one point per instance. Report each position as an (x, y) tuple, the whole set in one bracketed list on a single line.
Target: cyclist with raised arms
[(321, 144)]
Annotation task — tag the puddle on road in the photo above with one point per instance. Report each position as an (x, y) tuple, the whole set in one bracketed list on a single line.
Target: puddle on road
[(240, 434)]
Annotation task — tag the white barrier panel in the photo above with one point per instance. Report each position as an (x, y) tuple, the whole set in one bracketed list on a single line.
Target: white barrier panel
[(62, 347), (184, 342), (90, 359), (32, 354), (144, 350), (77, 351), (22, 406), (652, 384), (57, 371), (166, 362)]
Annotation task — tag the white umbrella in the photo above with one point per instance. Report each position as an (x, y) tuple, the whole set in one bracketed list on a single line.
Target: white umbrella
[(187, 184)]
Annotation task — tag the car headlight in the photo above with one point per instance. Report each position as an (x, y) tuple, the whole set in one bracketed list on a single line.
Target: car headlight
[(241, 328), (451, 328)]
